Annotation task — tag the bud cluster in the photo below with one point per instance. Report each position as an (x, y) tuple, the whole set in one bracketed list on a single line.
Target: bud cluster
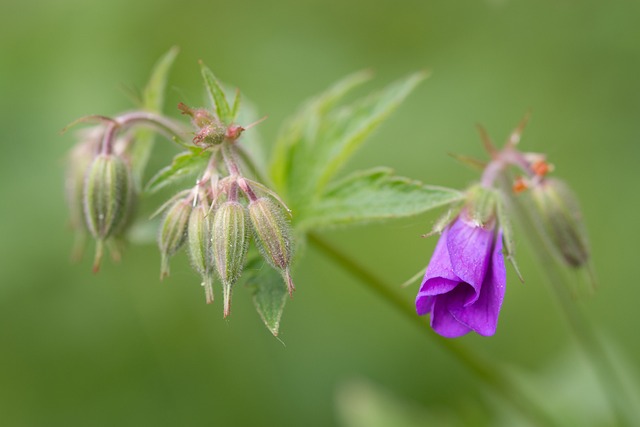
[(226, 211), (216, 219)]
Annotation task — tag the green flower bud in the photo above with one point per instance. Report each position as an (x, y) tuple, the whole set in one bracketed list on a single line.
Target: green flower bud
[(561, 219), (211, 134), (173, 232), (273, 235), (199, 243), (108, 196), (230, 242)]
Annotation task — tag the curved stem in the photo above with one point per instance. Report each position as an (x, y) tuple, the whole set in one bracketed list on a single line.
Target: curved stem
[(582, 329), (487, 372), (156, 121)]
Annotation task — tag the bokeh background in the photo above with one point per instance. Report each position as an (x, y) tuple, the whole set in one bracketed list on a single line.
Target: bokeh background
[(122, 348)]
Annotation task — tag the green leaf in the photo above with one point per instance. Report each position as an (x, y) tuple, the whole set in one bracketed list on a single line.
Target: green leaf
[(300, 130), (183, 164), (324, 137), (371, 195), (153, 100), (269, 292), (216, 92)]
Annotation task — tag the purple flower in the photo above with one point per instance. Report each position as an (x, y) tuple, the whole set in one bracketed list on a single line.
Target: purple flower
[(464, 284)]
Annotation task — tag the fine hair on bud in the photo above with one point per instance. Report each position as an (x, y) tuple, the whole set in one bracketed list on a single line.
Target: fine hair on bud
[(272, 235), (561, 220), (199, 243), (173, 232), (108, 192), (230, 243), (108, 199)]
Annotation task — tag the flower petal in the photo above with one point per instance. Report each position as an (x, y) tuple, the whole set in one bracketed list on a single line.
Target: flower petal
[(438, 278), (482, 316), (469, 248), (442, 321), (424, 304)]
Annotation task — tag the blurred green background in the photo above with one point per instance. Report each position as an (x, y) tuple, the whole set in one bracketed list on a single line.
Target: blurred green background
[(122, 348)]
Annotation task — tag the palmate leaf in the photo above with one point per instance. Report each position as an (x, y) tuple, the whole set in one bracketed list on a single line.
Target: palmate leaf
[(152, 100), (322, 138), (183, 164), (373, 195), (300, 130)]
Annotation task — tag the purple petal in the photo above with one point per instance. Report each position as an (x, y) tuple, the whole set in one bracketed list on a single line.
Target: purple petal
[(469, 247), (438, 279), (482, 316), (424, 304), (442, 321)]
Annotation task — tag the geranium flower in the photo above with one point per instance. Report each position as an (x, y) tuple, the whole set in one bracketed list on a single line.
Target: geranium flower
[(464, 284)]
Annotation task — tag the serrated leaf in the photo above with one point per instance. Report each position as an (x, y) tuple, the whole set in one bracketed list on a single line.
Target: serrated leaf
[(371, 195), (153, 100), (301, 128), (183, 164), (326, 138), (269, 292), (216, 92)]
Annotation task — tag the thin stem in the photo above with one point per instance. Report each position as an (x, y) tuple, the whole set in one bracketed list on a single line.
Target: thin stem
[(583, 330), (482, 368), (156, 121), (230, 159)]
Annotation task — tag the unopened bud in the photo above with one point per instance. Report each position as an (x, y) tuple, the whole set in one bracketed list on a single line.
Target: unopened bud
[(199, 242), (561, 219), (108, 196), (273, 235), (173, 232), (230, 242), (481, 205), (211, 134)]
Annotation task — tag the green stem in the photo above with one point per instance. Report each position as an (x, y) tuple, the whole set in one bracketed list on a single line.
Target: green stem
[(483, 369), (583, 330)]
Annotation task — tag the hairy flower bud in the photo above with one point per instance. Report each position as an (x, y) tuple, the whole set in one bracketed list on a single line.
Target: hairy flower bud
[(108, 196), (561, 219), (199, 242), (211, 134), (273, 235), (173, 232), (230, 242)]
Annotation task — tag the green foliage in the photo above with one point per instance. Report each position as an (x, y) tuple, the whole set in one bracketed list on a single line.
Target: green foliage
[(152, 100), (269, 292), (323, 136), (314, 145), (371, 195), (219, 99), (184, 164)]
